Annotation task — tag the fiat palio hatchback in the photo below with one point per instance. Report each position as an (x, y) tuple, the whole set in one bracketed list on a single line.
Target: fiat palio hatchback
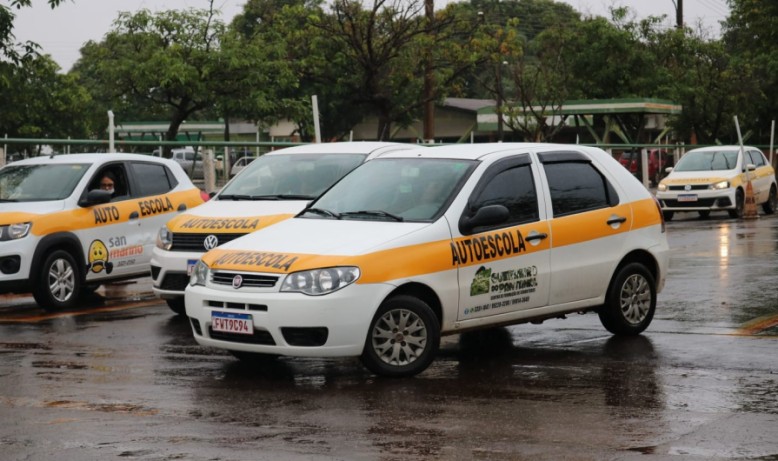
[(438, 241)]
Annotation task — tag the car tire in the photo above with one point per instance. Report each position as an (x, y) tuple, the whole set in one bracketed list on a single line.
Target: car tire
[(771, 204), (630, 302), (403, 338), (668, 215), (177, 305), (704, 214), (59, 282), (740, 203)]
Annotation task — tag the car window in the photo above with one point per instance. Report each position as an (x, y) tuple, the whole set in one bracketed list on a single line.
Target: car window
[(407, 189), (513, 188), (152, 179), (576, 187), (756, 158), (707, 161), (35, 183), (305, 175)]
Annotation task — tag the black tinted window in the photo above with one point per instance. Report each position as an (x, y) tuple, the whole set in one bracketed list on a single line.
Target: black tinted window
[(152, 179), (577, 187), (515, 189), (757, 158)]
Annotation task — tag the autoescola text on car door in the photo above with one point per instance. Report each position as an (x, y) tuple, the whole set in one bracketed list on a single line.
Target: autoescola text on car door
[(504, 268)]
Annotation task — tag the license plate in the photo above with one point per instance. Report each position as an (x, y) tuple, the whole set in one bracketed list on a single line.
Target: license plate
[(687, 198), (228, 322), (190, 265)]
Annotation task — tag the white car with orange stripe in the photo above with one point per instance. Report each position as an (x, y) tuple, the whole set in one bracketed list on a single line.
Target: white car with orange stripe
[(60, 235), (412, 246), (716, 179), (274, 187)]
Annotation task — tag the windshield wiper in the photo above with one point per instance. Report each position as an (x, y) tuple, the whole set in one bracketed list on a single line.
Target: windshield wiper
[(321, 211), (380, 213), (234, 197), (8, 200)]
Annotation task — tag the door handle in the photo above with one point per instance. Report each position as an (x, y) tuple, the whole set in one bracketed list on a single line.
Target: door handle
[(616, 220), (535, 235)]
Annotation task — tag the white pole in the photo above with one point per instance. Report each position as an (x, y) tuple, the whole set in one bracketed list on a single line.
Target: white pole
[(351, 135), (772, 138), (110, 132), (316, 128), (742, 149)]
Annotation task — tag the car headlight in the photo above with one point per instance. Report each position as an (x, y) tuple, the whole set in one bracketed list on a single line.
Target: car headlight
[(318, 282), (14, 231), (661, 187), (720, 185), (199, 274), (165, 239)]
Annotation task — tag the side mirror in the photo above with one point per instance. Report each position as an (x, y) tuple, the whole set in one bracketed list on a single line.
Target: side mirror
[(668, 169), (95, 197), (484, 216), (750, 167)]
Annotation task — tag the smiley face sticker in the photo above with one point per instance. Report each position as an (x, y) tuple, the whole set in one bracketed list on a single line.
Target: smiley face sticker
[(97, 257)]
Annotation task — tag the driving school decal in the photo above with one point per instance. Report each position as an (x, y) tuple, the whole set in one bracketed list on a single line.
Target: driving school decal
[(486, 247), (249, 258), (505, 288), (215, 224)]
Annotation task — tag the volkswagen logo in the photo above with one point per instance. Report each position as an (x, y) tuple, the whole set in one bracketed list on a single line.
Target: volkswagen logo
[(211, 242), (237, 281), (687, 187)]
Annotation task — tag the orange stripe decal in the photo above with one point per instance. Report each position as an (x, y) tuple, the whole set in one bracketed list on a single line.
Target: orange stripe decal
[(204, 225)]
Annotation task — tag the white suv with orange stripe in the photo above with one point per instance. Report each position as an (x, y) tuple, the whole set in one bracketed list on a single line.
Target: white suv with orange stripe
[(412, 246), (61, 235), (274, 187)]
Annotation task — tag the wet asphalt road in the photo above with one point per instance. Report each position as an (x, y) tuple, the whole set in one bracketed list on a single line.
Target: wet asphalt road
[(123, 379)]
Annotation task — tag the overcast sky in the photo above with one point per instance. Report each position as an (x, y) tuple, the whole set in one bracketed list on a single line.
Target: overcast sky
[(62, 31)]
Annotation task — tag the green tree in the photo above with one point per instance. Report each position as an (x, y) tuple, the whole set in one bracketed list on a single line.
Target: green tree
[(40, 102), (12, 51), (174, 65), (751, 40)]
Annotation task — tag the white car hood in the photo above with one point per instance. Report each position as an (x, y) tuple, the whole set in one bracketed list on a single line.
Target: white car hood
[(32, 207), (330, 237), (245, 208)]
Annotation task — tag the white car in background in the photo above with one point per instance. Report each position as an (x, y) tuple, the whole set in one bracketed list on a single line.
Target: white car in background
[(715, 179)]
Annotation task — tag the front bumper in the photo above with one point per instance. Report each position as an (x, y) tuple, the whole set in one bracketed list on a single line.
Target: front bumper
[(15, 264), (169, 271), (697, 200), (293, 324)]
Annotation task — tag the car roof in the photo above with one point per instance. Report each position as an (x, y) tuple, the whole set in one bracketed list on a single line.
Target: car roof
[(480, 151), (350, 147), (720, 148), (87, 158)]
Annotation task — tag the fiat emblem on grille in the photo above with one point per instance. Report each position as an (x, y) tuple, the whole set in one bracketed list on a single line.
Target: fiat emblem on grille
[(237, 281), (211, 242)]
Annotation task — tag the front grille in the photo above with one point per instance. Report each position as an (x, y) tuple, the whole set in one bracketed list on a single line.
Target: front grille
[(194, 242), (706, 202), (249, 280), (258, 337), (693, 187), (174, 281), (240, 306)]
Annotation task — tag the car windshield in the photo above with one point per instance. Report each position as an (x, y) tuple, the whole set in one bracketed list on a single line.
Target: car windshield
[(399, 189), (708, 160), (292, 176), (37, 183)]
